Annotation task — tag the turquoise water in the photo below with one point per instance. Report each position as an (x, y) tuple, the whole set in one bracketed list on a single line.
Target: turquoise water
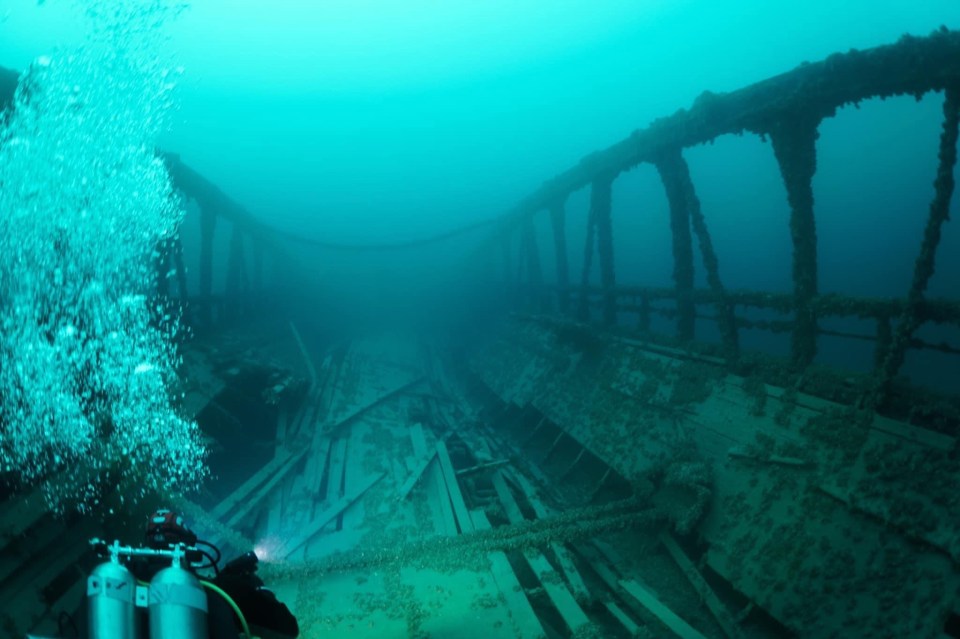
[(387, 122), (367, 123)]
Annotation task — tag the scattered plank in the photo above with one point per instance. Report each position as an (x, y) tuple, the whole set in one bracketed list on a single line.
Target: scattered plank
[(561, 597), (414, 477), (564, 558), (739, 452), (317, 465), (23, 594), (507, 500), (358, 453), (526, 624), (633, 630), (331, 428), (557, 591), (335, 471), (646, 598), (311, 369), (267, 472), (444, 523), (418, 440), (254, 500), (453, 488), (329, 514), (707, 595), (479, 468), (19, 513)]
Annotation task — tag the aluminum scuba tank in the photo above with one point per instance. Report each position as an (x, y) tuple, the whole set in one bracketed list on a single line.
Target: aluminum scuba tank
[(111, 607), (178, 605)]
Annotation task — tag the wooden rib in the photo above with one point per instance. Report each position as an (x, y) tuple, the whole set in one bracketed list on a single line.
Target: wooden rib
[(453, 488)]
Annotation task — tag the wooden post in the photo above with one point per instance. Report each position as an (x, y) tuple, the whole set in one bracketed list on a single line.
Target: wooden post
[(208, 228), (238, 281), (256, 279), (794, 143), (505, 255), (242, 262), (534, 270), (675, 174), (233, 263), (643, 322), (600, 202), (558, 222), (682, 243), (583, 310), (910, 318), (884, 340), (181, 271), (599, 228)]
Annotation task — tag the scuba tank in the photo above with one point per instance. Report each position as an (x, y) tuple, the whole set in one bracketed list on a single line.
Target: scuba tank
[(178, 603), (111, 607)]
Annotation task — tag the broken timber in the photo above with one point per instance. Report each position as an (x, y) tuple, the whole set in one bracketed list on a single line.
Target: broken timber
[(328, 515), (657, 608), (709, 597), (525, 620), (564, 558), (559, 594), (453, 488)]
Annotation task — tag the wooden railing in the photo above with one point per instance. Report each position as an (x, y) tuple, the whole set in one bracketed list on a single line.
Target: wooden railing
[(787, 110)]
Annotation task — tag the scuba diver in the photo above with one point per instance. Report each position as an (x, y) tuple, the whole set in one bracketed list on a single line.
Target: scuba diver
[(156, 591)]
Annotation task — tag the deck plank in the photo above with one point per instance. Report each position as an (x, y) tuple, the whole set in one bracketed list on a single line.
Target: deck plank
[(556, 589), (525, 621), (453, 488), (646, 598), (328, 514)]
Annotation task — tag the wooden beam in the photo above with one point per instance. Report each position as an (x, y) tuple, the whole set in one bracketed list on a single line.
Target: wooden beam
[(794, 145), (479, 468), (444, 522), (330, 513), (507, 500), (414, 477), (558, 222), (526, 624), (307, 360), (600, 197), (632, 628), (254, 500), (716, 607), (265, 474), (556, 589), (646, 598), (331, 428), (911, 66), (682, 243), (208, 228), (453, 488), (575, 580)]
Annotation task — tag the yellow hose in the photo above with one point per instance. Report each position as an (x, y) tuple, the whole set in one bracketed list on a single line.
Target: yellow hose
[(231, 603), (226, 597)]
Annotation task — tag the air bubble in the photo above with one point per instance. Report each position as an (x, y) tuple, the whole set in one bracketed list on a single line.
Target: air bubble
[(84, 203)]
